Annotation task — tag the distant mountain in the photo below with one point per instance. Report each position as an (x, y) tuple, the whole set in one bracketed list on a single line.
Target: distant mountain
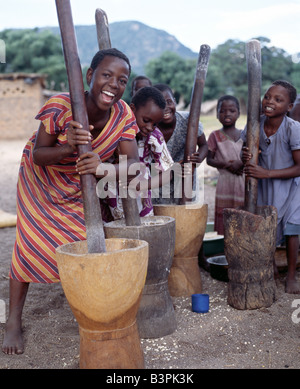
[(138, 41)]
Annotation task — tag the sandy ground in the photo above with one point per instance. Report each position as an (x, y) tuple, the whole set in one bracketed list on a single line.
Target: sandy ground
[(223, 338)]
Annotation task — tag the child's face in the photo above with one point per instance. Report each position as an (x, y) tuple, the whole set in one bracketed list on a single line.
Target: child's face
[(276, 101), (147, 116), (140, 84), (169, 112), (295, 112), (228, 113), (108, 81)]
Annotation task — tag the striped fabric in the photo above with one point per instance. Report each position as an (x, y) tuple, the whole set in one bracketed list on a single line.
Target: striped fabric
[(49, 203)]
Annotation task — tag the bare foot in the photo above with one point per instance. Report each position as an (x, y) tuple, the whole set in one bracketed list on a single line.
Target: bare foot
[(13, 340), (292, 286)]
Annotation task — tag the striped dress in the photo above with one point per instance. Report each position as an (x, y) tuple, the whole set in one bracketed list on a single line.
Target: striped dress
[(49, 203)]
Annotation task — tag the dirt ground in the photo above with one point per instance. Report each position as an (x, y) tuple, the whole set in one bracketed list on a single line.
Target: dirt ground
[(223, 338)]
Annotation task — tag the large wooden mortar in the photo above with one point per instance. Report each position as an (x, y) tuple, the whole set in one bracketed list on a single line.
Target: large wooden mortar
[(185, 277), (104, 291), (156, 315), (250, 233), (249, 245)]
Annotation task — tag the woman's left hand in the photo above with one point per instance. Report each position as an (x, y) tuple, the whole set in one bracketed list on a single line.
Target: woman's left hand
[(76, 135), (87, 163)]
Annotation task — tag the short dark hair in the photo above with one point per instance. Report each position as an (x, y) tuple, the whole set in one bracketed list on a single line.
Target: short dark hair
[(143, 95), (101, 54), (163, 88), (139, 78), (228, 97), (289, 87)]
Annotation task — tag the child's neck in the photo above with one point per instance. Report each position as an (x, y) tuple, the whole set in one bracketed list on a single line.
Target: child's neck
[(167, 129), (231, 128), (232, 132), (167, 126), (271, 125)]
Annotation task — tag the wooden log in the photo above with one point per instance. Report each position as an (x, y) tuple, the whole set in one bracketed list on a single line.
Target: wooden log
[(250, 244), (253, 57), (102, 27), (250, 234), (91, 203), (194, 116), (131, 211), (196, 100), (129, 203)]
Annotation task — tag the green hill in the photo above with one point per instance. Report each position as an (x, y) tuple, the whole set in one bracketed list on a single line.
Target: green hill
[(138, 41)]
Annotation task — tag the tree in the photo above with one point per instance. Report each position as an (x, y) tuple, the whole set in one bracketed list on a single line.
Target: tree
[(174, 71), (276, 63), (34, 51), (227, 71), (228, 64), (295, 76), (40, 51)]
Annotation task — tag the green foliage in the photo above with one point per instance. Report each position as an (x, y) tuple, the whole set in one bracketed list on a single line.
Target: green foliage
[(174, 71), (40, 51), (34, 51), (276, 64), (295, 76), (230, 58), (227, 71)]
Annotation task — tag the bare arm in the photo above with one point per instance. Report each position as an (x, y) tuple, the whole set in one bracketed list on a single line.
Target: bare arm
[(202, 148), (44, 152), (257, 171), (212, 162), (89, 163)]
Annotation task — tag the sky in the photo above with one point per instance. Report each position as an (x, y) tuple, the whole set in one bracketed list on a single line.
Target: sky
[(192, 22)]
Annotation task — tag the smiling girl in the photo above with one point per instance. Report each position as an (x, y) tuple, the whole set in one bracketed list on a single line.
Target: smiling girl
[(174, 126), (278, 169), (148, 105), (49, 201)]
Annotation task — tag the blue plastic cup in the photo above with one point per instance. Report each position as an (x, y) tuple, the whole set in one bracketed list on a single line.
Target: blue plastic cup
[(200, 303)]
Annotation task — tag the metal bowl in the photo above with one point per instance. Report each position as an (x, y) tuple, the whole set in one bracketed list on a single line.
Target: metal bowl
[(213, 244), (218, 267)]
